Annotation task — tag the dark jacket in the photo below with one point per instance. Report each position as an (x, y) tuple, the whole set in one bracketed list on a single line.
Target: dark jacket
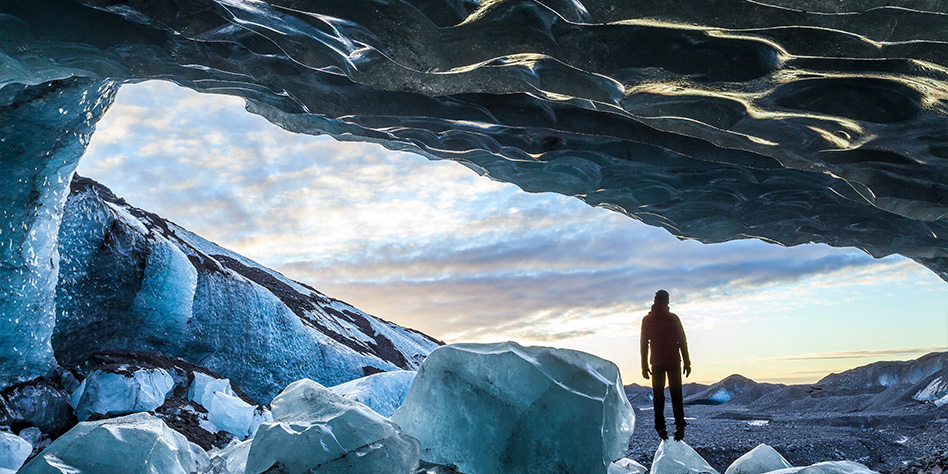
[(662, 331)]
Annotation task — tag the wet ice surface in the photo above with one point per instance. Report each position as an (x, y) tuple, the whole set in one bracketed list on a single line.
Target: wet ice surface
[(317, 430), (787, 120), (137, 443), (508, 409), (383, 392)]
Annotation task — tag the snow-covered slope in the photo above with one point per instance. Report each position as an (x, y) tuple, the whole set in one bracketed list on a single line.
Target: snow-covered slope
[(132, 280)]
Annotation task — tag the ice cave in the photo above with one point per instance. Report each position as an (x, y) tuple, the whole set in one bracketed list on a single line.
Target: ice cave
[(788, 121)]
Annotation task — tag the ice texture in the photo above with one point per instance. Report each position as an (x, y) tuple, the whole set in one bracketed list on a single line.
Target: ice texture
[(383, 392), (44, 130), (508, 409), (676, 457), (110, 393), (626, 466), (317, 430), (225, 409), (13, 452), (829, 467), (759, 460), (232, 459), (132, 280), (133, 444), (936, 392), (791, 121)]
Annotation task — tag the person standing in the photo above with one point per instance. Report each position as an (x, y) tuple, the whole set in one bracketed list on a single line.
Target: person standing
[(662, 332)]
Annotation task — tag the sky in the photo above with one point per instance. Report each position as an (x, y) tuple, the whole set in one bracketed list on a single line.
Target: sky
[(433, 246)]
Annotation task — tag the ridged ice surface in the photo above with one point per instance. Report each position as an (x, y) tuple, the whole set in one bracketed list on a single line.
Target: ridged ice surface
[(791, 121)]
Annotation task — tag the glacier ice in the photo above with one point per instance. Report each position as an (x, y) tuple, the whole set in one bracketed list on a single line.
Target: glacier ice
[(120, 392), (13, 452), (805, 122), (383, 392), (626, 466), (759, 460), (138, 443), (828, 467), (132, 280), (936, 392), (44, 130), (676, 457), (225, 409), (232, 459), (315, 429), (508, 409)]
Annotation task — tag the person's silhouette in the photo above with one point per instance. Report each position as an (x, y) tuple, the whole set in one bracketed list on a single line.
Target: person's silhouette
[(662, 331)]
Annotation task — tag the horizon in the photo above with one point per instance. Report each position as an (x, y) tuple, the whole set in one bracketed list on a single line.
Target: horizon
[(432, 246)]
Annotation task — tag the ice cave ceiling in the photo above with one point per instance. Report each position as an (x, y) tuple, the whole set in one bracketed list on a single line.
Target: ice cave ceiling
[(790, 121)]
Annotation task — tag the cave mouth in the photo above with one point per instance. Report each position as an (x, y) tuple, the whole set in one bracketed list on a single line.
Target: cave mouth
[(383, 230), (549, 98)]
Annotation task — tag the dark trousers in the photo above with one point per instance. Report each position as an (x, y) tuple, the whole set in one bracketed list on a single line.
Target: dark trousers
[(658, 394)]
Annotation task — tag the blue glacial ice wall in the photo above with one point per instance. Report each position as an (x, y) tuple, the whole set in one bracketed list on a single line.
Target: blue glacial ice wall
[(789, 121), (43, 131), (130, 280)]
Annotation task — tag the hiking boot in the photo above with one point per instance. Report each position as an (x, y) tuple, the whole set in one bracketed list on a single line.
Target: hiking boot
[(662, 433), (679, 432)]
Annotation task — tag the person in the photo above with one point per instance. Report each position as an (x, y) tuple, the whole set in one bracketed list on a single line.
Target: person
[(662, 332)]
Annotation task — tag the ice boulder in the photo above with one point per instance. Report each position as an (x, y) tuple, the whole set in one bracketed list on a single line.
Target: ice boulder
[(317, 430), (759, 460), (507, 409), (829, 467), (626, 466), (232, 459), (676, 457), (13, 452), (117, 391), (134, 444), (226, 410), (383, 392)]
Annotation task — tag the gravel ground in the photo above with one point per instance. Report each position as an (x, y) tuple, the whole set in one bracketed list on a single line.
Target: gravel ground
[(883, 441)]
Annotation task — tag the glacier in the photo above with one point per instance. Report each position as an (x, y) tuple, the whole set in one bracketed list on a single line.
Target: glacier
[(508, 409), (130, 280), (789, 121)]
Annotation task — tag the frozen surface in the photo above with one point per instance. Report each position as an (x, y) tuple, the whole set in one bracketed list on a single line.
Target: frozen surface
[(508, 409), (224, 409), (626, 466), (233, 458), (788, 120), (13, 452), (676, 457), (132, 280), (759, 460), (134, 444), (109, 393), (315, 429), (383, 392), (44, 129), (829, 467), (935, 392)]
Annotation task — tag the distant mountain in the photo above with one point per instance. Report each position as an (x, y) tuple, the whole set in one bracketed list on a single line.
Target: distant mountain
[(877, 386), (131, 280), (735, 388)]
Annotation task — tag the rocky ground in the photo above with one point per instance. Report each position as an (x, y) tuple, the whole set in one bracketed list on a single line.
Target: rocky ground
[(890, 441)]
